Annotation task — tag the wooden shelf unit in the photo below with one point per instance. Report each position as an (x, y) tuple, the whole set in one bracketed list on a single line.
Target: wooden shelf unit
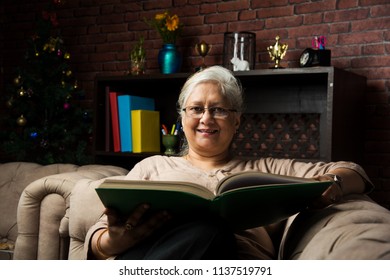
[(318, 109)]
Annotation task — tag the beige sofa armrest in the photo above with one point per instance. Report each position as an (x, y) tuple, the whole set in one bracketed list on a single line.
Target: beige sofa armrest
[(14, 178), (41, 217), (86, 209), (357, 228)]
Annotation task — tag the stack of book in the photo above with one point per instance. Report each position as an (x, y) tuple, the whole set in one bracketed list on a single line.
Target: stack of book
[(135, 125)]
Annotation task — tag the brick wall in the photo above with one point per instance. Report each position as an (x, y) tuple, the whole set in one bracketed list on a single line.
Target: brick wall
[(99, 35)]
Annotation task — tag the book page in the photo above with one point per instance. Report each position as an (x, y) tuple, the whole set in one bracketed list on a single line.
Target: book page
[(257, 178), (159, 185)]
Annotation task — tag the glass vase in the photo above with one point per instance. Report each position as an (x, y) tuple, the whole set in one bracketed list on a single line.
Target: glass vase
[(169, 59), (137, 66)]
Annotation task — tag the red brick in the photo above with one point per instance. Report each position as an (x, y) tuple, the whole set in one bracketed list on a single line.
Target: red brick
[(208, 8), (313, 7), (377, 49), (312, 19), (360, 38), (247, 15), (345, 51), (380, 11), (373, 73), (344, 4), (160, 4), (86, 12), (371, 24), (339, 27), (372, 2), (289, 22), (371, 61), (113, 28), (346, 15), (93, 39), (221, 17), (107, 48), (233, 5), (102, 57), (308, 30), (275, 12), (268, 3)]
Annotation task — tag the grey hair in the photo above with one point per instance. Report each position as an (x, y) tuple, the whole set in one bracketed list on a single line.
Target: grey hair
[(229, 87)]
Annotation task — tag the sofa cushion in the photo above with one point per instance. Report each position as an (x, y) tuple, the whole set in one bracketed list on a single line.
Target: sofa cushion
[(357, 228)]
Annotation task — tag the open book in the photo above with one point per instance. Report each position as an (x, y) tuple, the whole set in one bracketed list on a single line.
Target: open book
[(245, 199)]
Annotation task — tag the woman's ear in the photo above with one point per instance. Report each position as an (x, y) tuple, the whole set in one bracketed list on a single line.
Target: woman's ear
[(237, 121)]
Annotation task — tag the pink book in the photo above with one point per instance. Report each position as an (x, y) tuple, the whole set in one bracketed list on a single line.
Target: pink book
[(115, 121)]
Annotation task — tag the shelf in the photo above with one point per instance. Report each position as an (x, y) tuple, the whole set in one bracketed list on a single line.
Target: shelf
[(284, 108)]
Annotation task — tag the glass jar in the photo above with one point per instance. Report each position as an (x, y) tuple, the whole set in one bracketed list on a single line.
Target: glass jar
[(239, 51)]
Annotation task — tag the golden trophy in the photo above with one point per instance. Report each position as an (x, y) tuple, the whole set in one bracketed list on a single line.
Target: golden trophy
[(202, 49), (277, 52)]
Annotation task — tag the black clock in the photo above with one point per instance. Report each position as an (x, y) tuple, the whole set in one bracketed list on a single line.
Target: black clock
[(311, 57), (306, 58)]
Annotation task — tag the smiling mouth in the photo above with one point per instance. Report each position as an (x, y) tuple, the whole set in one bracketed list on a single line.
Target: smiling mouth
[(208, 131)]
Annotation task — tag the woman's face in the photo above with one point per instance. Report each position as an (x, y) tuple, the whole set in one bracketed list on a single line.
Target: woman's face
[(207, 135)]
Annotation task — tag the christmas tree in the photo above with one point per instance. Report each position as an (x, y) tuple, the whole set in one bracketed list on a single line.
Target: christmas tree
[(44, 121)]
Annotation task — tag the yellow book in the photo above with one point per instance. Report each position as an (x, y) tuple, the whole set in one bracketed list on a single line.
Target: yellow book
[(145, 126)]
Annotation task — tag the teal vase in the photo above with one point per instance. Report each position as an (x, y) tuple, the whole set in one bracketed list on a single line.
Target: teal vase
[(169, 59)]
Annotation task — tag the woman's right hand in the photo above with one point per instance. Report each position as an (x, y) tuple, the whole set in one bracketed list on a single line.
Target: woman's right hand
[(123, 234)]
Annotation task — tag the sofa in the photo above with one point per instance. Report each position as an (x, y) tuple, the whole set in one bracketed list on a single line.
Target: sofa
[(57, 204), (34, 206)]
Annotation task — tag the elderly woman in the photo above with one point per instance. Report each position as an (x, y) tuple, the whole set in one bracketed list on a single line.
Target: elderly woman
[(210, 107)]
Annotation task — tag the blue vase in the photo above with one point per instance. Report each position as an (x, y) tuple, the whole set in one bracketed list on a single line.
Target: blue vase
[(169, 59)]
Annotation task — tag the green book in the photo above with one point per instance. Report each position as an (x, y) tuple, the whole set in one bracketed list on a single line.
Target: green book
[(245, 200)]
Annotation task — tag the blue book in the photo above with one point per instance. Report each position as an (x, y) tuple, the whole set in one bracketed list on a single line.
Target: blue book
[(127, 103)]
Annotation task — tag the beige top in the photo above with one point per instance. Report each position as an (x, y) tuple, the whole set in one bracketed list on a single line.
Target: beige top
[(253, 243)]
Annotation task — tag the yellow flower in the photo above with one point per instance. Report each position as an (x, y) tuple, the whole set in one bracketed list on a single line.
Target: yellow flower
[(172, 23), (167, 26), (160, 17)]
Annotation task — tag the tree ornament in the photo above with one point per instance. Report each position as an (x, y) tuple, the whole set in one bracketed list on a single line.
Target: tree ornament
[(21, 121), (17, 81), (9, 102), (66, 106), (59, 2), (21, 92), (44, 143), (67, 55), (33, 135), (30, 92)]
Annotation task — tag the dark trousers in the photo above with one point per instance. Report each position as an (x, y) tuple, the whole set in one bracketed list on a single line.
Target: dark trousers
[(195, 240)]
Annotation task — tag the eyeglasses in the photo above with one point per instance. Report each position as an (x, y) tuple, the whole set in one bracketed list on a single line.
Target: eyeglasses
[(196, 112)]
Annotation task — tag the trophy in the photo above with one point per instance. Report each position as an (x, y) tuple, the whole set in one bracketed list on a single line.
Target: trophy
[(202, 49), (277, 52)]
